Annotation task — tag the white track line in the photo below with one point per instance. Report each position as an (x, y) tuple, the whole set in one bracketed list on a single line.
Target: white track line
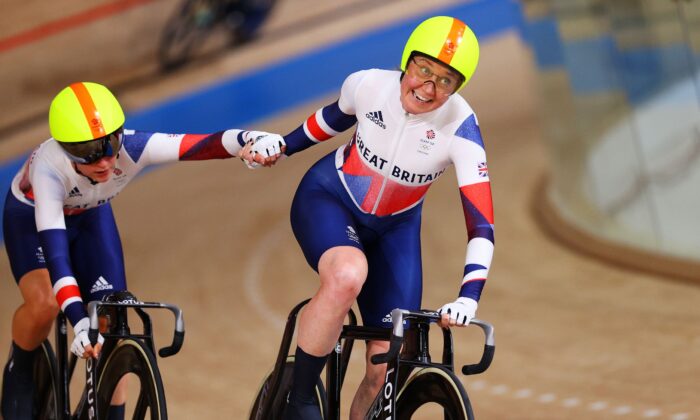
[(603, 408), (252, 277)]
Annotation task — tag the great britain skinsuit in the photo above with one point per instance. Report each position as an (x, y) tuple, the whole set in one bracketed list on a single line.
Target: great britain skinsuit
[(58, 219), (369, 192)]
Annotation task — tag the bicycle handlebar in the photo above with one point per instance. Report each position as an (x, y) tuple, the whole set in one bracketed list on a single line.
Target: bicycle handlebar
[(489, 349), (398, 316), (178, 335), (394, 347)]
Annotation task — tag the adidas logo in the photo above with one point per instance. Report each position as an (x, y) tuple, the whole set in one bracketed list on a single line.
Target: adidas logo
[(75, 192), (376, 117), (389, 319), (352, 235), (101, 284)]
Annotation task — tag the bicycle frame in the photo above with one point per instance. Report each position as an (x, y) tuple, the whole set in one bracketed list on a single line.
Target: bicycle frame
[(415, 354), (338, 360), (66, 364), (400, 364)]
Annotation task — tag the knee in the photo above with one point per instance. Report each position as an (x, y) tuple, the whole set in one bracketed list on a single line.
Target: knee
[(346, 278), (43, 310)]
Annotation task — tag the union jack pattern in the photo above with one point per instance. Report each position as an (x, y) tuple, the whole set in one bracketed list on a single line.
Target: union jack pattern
[(483, 170)]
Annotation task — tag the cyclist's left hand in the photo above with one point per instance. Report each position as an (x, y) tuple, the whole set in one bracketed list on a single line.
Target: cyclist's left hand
[(458, 313)]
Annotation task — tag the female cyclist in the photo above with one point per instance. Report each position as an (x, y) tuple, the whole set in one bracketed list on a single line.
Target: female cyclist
[(60, 233), (357, 212)]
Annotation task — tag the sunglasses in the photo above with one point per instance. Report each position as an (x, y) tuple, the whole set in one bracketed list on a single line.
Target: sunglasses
[(87, 152)]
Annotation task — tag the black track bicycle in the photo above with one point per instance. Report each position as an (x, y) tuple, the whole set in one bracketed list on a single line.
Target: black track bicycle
[(186, 31), (413, 379), (123, 352)]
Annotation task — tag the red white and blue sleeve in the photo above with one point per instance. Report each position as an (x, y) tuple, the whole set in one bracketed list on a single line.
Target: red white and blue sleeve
[(146, 148), (50, 222), (328, 121), (469, 158)]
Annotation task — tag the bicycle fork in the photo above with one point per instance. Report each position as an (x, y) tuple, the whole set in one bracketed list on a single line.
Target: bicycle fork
[(64, 371), (91, 387), (384, 405)]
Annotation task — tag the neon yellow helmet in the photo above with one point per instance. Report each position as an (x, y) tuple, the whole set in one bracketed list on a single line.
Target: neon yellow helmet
[(448, 40), (84, 111), (87, 121)]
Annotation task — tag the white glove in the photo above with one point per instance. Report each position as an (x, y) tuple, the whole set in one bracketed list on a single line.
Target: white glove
[(267, 145), (461, 311), (81, 337)]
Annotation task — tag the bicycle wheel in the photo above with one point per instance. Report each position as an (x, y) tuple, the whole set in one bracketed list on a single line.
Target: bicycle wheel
[(45, 383), (434, 385), (280, 399), (185, 30), (131, 355)]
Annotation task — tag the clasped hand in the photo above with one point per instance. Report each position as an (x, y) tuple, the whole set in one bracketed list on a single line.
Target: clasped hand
[(261, 149)]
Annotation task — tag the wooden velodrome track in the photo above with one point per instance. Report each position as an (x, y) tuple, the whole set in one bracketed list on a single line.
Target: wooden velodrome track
[(576, 338)]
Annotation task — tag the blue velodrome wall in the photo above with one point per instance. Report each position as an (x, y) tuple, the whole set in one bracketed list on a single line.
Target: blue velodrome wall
[(276, 88), (595, 63)]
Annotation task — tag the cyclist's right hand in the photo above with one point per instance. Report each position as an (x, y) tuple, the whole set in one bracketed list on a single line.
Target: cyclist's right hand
[(81, 346)]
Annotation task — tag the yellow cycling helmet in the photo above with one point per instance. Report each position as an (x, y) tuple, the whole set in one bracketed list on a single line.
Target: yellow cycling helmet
[(448, 40), (86, 120)]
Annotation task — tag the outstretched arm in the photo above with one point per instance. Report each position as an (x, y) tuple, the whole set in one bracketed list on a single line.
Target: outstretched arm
[(147, 148), (328, 121), (320, 126)]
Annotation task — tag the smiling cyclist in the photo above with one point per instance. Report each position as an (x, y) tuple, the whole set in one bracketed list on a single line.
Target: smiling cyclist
[(356, 213), (60, 234)]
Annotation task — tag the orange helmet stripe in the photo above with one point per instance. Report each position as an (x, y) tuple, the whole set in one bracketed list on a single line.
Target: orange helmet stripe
[(454, 38), (92, 115)]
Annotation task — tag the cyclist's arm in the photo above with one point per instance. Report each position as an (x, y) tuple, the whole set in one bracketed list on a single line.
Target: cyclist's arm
[(322, 125), (54, 243), (468, 155), (147, 148), (328, 121), (49, 194)]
